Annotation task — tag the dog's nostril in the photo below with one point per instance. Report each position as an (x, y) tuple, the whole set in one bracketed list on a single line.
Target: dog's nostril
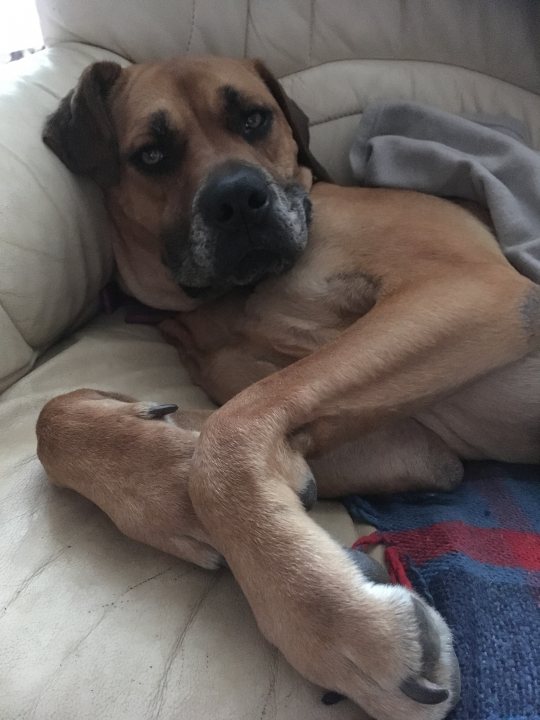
[(225, 212), (257, 199)]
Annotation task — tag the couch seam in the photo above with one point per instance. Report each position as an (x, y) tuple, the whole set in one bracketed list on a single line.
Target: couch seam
[(25, 341), (192, 26), (331, 118), (246, 33), (412, 60), (311, 32), (64, 45)]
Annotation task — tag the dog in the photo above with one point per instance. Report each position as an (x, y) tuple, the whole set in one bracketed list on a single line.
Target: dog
[(379, 334)]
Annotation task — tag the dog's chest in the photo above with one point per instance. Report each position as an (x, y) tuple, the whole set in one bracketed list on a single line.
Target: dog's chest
[(300, 312)]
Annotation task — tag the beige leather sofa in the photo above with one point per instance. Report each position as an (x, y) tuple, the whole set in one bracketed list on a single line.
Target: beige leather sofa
[(92, 625)]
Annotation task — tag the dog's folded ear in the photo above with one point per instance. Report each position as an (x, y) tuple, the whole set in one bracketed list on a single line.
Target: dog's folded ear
[(298, 121), (80, 132)]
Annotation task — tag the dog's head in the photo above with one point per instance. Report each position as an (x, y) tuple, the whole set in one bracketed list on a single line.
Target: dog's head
[(205, 162)]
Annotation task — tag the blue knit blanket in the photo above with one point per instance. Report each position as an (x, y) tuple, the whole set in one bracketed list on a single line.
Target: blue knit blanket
[(475, 555)]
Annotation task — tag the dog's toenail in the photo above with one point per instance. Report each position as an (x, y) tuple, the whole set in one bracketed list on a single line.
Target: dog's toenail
[(157, 412), (308, 494), (423, 691), (370, 568), (331, 698), (429, 638)]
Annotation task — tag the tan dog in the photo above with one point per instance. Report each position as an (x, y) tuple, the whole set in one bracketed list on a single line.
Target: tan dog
[(397, 342)]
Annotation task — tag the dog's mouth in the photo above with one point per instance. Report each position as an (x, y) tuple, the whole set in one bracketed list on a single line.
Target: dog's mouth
[(256, 262), (208, 259), (255, 266)]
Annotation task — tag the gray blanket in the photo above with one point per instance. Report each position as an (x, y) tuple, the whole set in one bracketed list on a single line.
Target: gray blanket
[(487, 160)]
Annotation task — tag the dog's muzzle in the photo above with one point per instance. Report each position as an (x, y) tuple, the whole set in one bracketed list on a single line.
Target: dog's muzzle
[(245, 226)]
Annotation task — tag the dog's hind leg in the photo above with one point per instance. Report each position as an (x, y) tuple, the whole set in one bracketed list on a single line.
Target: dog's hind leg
[(402, 456)]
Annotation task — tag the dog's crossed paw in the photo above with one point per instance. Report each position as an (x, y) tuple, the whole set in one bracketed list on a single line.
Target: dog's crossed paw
[(428, 686), (379, 645)]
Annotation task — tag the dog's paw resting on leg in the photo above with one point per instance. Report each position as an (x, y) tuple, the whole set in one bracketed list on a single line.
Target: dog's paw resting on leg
[(380, 645), (133, 460)]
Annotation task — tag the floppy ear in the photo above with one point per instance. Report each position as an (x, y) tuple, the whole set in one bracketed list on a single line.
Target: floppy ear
[(298, 121), (81, 132)]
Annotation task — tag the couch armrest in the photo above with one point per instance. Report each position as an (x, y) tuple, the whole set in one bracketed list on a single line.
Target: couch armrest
[(55, 236)]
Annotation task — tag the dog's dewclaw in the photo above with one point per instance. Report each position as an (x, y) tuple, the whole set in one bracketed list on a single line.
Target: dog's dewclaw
[(159, 411)]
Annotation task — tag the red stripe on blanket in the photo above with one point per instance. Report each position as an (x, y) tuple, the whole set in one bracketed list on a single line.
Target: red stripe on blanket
[(393, 558), (506, 548)]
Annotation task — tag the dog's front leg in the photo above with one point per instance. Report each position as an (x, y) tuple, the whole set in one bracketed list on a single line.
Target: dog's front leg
[(377, 644), (418, 343)]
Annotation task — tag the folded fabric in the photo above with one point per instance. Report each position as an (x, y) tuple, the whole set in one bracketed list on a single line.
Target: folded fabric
[(486, 160)]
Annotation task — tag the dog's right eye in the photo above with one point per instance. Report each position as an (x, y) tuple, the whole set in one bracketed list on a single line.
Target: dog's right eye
[(152, 156), (152, 159)]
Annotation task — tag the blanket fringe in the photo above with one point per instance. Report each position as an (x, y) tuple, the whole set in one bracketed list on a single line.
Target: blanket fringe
[(394, 559)]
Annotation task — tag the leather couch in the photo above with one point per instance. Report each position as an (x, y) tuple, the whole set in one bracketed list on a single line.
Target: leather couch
[(94, 626)]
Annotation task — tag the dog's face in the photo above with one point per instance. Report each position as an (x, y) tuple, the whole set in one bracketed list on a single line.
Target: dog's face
[(204, 161)]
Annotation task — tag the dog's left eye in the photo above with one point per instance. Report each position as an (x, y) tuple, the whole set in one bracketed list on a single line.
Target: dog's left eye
[(151, 156), (253, 121), (153, 160), (255, 124)]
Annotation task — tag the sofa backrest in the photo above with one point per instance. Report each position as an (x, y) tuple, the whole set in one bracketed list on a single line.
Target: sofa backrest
[(496, 37)]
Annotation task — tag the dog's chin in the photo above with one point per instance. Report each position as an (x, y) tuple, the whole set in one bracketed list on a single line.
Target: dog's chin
[(199, 293), (252, 269), (259, 265)]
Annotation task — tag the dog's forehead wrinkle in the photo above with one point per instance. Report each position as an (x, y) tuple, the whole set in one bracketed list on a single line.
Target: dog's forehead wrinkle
[(236, 99), (230, 95), (160, 123), (156, 125)]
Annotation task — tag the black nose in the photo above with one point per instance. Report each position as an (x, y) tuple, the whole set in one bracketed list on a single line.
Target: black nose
[(235, 195)]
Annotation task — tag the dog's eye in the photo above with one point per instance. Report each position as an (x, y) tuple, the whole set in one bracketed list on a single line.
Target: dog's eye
[(154, 160), (253, 121), (255, 124), (151, 156)]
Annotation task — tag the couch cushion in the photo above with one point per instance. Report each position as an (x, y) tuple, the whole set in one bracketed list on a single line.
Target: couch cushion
[(54, 233), (94, 625)]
